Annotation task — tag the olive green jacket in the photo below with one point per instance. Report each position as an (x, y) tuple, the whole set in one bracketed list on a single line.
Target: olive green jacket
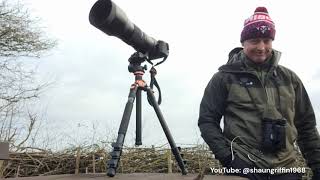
[(270, 90)]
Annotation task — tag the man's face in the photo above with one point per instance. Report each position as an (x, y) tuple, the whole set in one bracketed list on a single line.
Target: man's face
[(258, 50)]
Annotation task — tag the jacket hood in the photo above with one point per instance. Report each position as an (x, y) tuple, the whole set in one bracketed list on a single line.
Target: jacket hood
[(236, 58)]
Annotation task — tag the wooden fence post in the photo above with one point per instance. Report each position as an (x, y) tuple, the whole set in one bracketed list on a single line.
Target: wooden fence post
[(77, 161), (1, 168), (4, 155), (93, 163), (169, 160)]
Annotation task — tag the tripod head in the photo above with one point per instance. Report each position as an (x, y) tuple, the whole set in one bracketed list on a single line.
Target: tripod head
[(135, 67), (138, 57), (135, 62)]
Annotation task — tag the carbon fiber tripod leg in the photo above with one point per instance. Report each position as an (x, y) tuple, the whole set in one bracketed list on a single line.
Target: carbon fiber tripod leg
[(174, 148), (117, 146), (138, 118)]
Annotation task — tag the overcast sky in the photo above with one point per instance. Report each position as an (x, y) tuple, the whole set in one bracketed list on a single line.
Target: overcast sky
[(90, 68)]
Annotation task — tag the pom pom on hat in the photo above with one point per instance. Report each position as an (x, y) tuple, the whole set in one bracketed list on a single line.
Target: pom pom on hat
[(261, 9), (259, 25)]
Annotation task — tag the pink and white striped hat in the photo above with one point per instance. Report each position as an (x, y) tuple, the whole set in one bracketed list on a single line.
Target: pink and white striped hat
[(259, 25)]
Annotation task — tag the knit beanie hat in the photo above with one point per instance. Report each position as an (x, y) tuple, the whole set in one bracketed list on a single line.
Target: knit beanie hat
[(259, 25)]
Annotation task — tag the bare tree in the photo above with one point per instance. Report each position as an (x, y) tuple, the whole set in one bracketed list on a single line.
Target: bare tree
[(19, 37)]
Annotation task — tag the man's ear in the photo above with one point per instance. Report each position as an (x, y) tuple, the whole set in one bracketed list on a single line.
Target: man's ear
[(242, 44)]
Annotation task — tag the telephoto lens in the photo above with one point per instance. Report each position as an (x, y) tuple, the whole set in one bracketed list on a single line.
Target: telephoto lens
[(110, 19)]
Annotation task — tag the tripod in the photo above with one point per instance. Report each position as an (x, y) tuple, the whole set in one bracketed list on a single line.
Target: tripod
[(135, 93)]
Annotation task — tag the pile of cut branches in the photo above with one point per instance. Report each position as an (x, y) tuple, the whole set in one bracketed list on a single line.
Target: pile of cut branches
[(93, 159), (35, 162)]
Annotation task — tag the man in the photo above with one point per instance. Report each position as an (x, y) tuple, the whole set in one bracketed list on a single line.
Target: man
[(265, 106)]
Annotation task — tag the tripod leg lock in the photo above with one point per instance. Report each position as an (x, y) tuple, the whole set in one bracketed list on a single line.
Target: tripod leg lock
[(116, 146), (116, 153), (113, 163), (182, 156), (183, 163), (115, 156)]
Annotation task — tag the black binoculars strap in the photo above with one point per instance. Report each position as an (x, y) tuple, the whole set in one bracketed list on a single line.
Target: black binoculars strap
[(277, 85)]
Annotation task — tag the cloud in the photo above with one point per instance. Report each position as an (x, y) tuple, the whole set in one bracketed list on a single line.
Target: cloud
[(91, 68)]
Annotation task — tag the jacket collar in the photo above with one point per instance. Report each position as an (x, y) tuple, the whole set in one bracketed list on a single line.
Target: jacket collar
[(239, 62)]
